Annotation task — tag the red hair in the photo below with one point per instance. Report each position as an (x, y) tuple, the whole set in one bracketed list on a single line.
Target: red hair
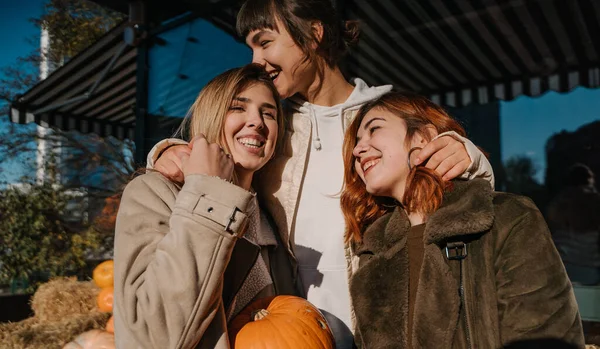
[(424, 188)]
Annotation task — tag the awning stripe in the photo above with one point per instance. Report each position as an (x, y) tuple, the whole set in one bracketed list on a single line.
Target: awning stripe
[(585, 39), (563, 82), (459, 52)]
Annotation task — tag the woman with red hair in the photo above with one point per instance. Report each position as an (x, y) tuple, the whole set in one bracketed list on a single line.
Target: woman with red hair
[(441, 264)]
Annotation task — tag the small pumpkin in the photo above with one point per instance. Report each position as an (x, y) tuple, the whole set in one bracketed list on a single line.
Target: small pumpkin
[(110, 325), (105, 299), (103, 274), (92, 339), (282, 322)]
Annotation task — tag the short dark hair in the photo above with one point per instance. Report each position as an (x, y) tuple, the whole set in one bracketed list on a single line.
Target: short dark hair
[(297, 17)]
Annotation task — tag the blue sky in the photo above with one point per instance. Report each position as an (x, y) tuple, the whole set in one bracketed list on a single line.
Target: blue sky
[(15, 31), (526, 123), (15, 28)]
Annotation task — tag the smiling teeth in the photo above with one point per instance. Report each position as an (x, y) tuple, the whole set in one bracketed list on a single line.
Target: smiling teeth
[(251, 142), (369, 164), (273, 75)]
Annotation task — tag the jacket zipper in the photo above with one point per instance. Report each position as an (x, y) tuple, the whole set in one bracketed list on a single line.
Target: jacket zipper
[(464, 305)]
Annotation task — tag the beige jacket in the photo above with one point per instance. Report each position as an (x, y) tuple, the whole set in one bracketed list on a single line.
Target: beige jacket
[(173, 279), (279, 182)]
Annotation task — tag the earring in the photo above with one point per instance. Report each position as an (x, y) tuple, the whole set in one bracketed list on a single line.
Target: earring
[(410, 153)]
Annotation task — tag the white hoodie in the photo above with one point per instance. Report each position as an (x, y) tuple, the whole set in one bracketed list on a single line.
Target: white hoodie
[(319, 227)]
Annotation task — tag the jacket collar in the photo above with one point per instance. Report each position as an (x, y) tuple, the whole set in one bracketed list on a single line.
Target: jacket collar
[(466, 209)]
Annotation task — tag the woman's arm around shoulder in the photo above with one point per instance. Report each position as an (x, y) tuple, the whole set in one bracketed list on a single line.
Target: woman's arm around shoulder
[(480, 166), (535, 296), (171, 249)]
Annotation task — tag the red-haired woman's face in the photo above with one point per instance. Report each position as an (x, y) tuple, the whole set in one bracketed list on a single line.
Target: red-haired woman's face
[(283, 60), (381, 153)]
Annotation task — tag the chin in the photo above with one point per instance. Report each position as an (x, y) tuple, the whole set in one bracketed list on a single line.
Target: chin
[(377, 190), (248, 167)]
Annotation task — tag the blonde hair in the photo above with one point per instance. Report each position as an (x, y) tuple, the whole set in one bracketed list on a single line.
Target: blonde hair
[(207, 115)]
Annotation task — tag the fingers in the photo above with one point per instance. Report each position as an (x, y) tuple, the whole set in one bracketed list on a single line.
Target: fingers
[(199, 137), (448, 157), (209, 159), (443, 151), (169, 163), (455, 162), (170, 169), (431, 148), (457, 170)]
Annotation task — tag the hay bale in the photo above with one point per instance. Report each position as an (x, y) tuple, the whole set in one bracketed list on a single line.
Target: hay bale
[(8, 329), (63, 297), (35, 334)]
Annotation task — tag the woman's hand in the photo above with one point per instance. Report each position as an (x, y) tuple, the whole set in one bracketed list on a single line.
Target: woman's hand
[(446, 156), (169, 163), (207, 159)]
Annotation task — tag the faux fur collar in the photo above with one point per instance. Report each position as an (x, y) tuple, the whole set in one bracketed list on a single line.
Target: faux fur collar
[(467, 209)]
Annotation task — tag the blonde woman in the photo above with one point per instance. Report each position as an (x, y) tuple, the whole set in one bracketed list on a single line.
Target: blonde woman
[(189, 257)]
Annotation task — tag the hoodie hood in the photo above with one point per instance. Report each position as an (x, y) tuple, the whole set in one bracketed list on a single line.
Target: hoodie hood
[(361, 94)]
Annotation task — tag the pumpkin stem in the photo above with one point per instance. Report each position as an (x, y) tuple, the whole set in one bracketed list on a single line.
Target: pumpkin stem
[(259, 314)]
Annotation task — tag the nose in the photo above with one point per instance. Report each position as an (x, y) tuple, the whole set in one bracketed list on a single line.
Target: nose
[(257, 57), (255, 119), (360, 147)]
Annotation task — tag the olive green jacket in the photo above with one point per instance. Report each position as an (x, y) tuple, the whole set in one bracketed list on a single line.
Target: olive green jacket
[(513, 284)]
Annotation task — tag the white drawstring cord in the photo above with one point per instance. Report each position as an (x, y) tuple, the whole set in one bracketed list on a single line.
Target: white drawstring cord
[(316, 139)]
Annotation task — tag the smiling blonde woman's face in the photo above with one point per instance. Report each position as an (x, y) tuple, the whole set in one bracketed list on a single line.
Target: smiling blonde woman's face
[(251, 127)]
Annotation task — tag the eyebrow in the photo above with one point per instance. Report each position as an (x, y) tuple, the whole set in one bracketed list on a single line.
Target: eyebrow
[(371, 121), (367, 126), (248, 100), (256, 37)]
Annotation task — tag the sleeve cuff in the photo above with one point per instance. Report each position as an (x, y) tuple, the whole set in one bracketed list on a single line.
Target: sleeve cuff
[(215, 199), (158, 148)]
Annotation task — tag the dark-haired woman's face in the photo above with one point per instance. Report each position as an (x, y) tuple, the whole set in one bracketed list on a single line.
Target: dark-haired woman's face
[(283, 60), (381, 153)]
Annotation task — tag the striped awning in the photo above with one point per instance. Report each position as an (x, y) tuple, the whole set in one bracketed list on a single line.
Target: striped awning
[(475, 51), (460, 52), (93, 93)]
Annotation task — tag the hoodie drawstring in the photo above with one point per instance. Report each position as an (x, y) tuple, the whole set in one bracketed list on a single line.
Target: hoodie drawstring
[(316, 139)]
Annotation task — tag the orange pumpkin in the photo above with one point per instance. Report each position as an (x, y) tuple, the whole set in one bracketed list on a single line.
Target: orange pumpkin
[(105, 299), (104, 274), (282, 322), (110, 325), (93, 339)]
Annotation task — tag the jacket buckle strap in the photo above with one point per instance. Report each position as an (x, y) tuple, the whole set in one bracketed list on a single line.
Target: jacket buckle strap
[(456, 250), (232, 220)]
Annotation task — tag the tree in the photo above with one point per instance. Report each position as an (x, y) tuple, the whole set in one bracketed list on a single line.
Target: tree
[(97, 167), (73, 25), (38, 233), (520, 179), (42, 233)]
